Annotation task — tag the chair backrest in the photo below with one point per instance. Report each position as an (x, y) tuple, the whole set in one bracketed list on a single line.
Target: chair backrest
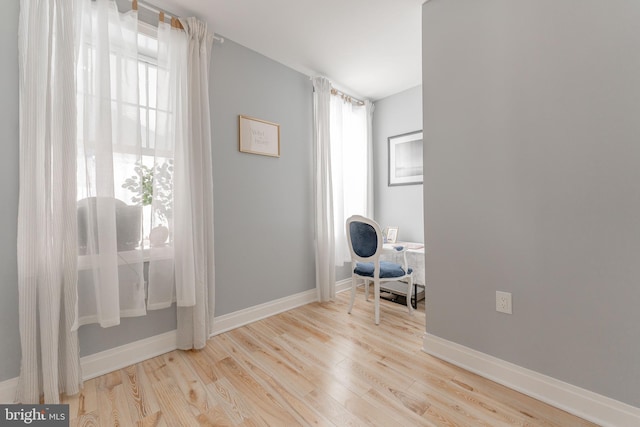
[(364, 237), (128, 224)]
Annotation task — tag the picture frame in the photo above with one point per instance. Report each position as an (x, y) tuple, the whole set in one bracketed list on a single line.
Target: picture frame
[(392, 234), (256, 136), (405, 159)]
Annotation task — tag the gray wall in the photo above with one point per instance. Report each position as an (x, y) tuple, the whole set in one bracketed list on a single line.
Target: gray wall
[(263, 206), (398, 205), (532, 119), (10, 347)]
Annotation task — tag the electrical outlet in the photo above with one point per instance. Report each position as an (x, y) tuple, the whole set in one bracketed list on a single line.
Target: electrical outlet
[(503, 302)]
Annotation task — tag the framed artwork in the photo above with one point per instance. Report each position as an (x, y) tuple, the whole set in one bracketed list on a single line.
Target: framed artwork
[(259, 136), (392, 234), (405, 159)]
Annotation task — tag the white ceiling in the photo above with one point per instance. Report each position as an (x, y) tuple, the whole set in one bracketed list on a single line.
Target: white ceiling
[(367, 48)]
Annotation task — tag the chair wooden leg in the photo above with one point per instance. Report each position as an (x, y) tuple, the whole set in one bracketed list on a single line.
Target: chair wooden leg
[(409, 297), (366, 289), (376, 300), (353, 293)]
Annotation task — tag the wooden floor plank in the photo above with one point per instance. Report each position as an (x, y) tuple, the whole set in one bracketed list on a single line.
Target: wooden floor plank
[(316, 365), (249, 379), (141, 402), (191, 387), (277, 362), (230, 401), (152, 420), (175, 410), (332, 409), (88, 419)]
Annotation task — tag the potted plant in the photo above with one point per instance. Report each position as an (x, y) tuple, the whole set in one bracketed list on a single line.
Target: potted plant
[(142, 184)]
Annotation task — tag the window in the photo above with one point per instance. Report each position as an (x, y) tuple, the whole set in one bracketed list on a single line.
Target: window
[(121, 142), (349, 168), (155, 165)]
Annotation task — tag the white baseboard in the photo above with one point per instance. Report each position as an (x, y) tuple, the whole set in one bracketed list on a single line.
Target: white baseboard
[(120, 357), (107, 361), (239, 318), (343, 285), (591, 406), (116, 358), (8, 390)]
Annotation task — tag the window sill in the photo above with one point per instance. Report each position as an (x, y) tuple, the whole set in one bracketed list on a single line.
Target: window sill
[(86, 262)]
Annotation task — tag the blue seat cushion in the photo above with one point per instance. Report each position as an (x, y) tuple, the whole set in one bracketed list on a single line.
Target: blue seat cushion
[(387, 269)]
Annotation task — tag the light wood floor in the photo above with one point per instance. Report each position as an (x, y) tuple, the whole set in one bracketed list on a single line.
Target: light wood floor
[(315, 365)]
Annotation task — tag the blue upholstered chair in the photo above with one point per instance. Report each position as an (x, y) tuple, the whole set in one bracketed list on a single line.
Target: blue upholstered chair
[(366, 246)]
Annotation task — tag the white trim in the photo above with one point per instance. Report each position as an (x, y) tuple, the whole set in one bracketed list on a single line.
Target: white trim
[(586, 404), (116, 358), (239, 318), (8, 390), (110, 360), (86, 262), (343, 285)]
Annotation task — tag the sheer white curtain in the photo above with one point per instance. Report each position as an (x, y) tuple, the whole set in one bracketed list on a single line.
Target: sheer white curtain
[(116, 182), (370, 108), (342, 180), (166, 173), (350, 168), (47, 248), (169, 134), (193, 182), (108, 147), (87, 175), (323, 191)]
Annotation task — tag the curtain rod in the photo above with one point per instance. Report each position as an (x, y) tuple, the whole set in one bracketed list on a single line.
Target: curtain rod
[(346, 97), (162, 13)]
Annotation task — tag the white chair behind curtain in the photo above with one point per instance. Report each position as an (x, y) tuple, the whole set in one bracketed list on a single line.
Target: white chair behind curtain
[(47, 245)]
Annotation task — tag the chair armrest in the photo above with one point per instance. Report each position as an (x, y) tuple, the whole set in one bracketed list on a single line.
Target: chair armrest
[(396, 250), (402, 249)]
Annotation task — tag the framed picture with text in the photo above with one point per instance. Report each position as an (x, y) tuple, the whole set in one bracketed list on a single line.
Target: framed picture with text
[(258, 136)]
